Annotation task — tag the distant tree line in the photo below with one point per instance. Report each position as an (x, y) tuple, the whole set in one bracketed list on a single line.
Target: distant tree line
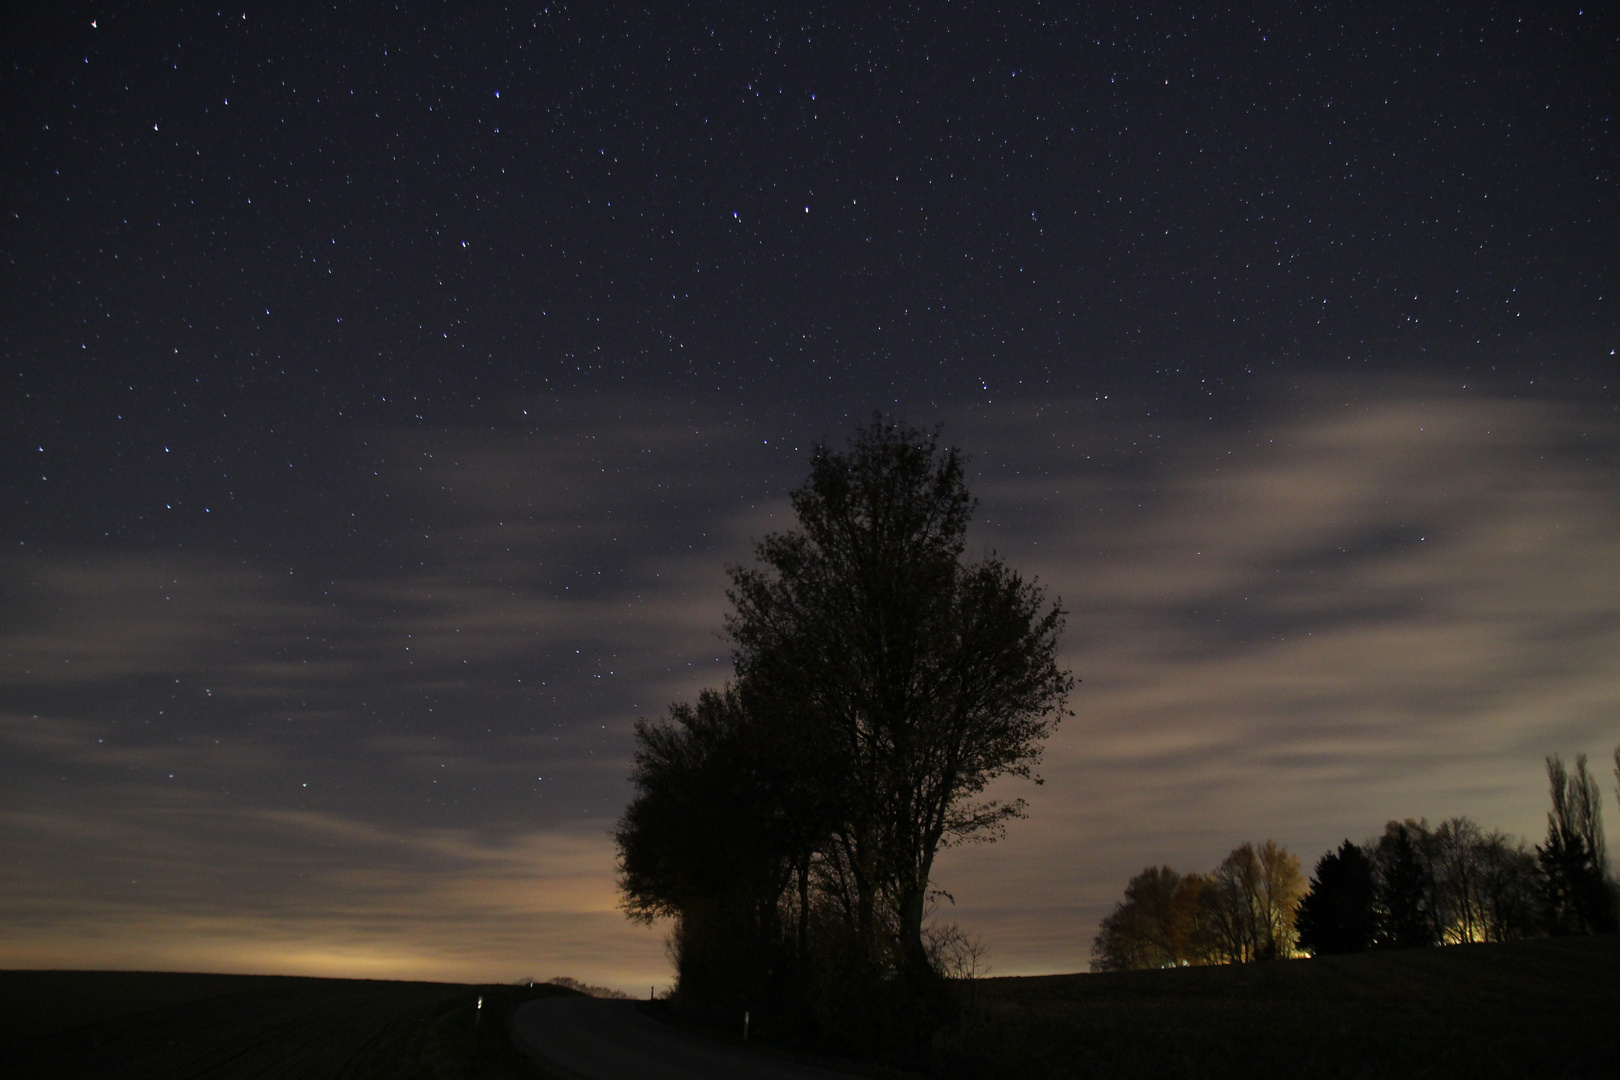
[(1415, 885), (1242, 911), (1456, 883), (568, 982), (1411, 886)]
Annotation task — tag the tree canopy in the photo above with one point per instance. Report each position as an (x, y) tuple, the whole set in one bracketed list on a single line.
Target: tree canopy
[(1242, 912), (1338, 914)]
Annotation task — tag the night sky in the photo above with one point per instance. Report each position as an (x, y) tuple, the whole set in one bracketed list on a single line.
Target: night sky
[(384, 390)]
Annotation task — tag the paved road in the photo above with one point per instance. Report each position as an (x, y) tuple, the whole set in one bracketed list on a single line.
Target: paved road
[(594, 1039)]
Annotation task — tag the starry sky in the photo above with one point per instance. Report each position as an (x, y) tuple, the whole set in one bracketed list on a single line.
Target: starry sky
[(386, 388)]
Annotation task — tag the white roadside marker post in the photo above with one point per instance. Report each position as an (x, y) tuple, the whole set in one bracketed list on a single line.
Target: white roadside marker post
[(745, 1025)]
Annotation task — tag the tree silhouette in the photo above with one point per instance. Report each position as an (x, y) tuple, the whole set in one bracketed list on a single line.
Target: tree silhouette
[(1250, 902), (1511, 888), (1405, 887), (1573, 859), (716, 837), (790, 823), (1338, 915), (1155, 926), (929, 675), (1454, 851), (1282, 886)]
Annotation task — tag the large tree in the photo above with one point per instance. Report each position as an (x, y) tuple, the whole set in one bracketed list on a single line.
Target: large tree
[(1338, 914), (1455, 856), (1250, 903), (1511, 888), (928, 674), (882, 682), (727, 813), (1406, 906), (1155, 926)]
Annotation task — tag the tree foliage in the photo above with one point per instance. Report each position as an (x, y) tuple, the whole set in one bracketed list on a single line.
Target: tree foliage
[(1242, 912), (1156, 925), (1458, 904), (790, 823), (1252, 898), (1406, 907), (1511, 888), (1574, 860), (1338, 915), (723, 822), (1408, 887), (1485, 885)]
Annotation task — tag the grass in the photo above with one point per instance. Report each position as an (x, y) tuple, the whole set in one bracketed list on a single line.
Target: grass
[(1546, 1008), (234, 1027)]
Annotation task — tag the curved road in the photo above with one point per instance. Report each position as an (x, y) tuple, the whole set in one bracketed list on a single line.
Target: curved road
[(595, 1039)]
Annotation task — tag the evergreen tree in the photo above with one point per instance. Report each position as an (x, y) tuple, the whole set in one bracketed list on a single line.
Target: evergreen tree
[(1405, 888), (1339, 913)]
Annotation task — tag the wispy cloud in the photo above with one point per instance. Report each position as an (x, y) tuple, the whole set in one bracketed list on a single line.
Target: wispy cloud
[(1357, 607), (1361, 602)]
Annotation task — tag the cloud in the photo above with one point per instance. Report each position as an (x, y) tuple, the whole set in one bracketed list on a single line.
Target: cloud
[(1340, 613), (191, 883), (1358, 602), (77, 620), (406, 766)]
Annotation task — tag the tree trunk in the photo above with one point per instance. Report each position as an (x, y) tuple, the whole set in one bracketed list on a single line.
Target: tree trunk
[(914, 965), (804, 906)]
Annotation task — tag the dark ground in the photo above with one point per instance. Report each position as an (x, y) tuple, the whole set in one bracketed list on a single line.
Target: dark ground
[(1526, 1009), (136, 1025), (1546, 1008)]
